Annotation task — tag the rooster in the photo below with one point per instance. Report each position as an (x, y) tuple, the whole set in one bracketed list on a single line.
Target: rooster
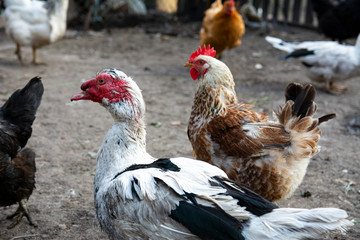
[(17, 165), (325, 61), (140, 197), (222, 27), (35, 23), (269, 157)]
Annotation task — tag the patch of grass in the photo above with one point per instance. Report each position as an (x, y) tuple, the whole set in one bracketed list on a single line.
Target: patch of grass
[(259, 100)]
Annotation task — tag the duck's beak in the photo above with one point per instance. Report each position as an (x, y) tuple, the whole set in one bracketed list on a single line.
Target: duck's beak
[(84, 95), (187, 64)]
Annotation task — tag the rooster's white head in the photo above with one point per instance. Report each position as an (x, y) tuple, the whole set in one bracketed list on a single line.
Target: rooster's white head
[(206, 68), (117, 92)]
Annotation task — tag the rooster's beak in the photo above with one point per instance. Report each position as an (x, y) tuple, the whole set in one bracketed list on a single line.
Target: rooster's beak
[(187, 64)]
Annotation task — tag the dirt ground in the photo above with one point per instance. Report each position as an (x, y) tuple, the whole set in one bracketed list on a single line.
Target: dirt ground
[(67, 135)]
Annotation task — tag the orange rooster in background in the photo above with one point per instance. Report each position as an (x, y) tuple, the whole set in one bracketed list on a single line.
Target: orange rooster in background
[(222, 27), (269, 157)]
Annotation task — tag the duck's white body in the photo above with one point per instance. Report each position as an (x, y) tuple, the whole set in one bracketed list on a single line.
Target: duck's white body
[(139, 197), (325, 61)]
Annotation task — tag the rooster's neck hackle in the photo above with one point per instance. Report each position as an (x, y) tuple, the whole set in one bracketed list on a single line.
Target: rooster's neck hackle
[(215, 91), (213, 101)]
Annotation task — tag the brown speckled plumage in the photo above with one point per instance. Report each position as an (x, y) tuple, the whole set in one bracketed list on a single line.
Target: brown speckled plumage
[(270, 157)]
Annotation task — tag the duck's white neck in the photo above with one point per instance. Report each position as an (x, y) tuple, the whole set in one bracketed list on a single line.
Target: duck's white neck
[(123, 146)]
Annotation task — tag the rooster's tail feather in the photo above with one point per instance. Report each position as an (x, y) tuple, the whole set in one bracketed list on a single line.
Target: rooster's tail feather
[(297, 118), (300, 104), (303, 98), (326, 117)]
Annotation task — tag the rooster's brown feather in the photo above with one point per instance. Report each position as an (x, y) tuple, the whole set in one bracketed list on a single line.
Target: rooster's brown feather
[(270, 157)]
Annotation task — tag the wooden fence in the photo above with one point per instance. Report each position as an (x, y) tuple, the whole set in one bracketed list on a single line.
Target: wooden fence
[(292, 12)]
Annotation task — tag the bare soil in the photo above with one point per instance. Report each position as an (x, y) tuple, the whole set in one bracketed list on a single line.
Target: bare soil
[(67, 135)]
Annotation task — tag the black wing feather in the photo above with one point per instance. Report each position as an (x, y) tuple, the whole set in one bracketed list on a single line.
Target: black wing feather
[(207, 222), (165, 164), (253, 202), (300, 53)]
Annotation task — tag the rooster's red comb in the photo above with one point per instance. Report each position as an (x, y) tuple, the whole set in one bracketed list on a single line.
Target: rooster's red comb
[(203, 51)]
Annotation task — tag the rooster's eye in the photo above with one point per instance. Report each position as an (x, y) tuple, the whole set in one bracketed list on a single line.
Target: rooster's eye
[(101, 81), (201, 62)]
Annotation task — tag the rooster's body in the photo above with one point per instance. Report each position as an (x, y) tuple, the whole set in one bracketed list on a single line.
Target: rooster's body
[(222, 27), (35, 23), (17, 165), (270, 157), (141, 197)]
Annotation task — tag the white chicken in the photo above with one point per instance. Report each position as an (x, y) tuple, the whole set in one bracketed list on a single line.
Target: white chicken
[(325, 61), (141, 197), (35, 23)]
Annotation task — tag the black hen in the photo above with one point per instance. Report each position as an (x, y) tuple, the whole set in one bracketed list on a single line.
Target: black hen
[(17, 165), (340, 21)]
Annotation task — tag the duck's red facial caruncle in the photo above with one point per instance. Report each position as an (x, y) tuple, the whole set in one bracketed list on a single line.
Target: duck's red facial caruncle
[(104, 86)]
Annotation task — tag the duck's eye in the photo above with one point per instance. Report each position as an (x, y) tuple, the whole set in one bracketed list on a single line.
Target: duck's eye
[(101, 81)]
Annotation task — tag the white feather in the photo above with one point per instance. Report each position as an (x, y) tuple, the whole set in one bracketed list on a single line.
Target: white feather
[(29, 23), (297, 223), (331, 61)]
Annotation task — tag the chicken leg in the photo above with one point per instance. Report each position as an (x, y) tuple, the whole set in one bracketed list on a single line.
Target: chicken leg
[(18, 52), (335, 89), (35, 60), (19, 214)]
